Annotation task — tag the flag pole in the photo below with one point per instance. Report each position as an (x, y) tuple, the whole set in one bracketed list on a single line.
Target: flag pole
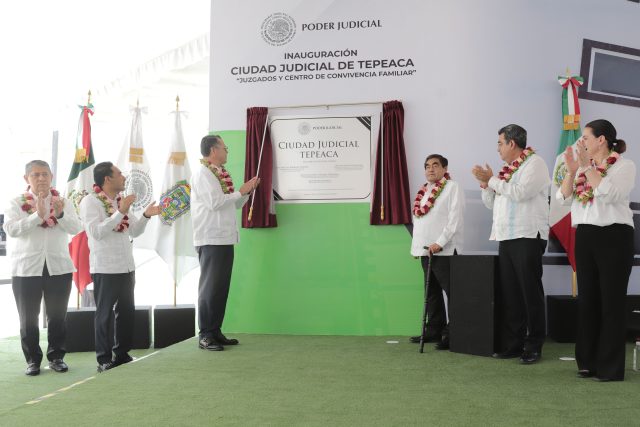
[(77, 287), (177, 103), (175, 270), (574, 285), (253, 192), (382, 165)]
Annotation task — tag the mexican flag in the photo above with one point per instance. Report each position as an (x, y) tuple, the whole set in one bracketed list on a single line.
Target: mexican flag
[(174, 230), (79, 184), (559, 215)]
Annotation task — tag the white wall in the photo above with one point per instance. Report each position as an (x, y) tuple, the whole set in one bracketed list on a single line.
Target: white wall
[(481, 65)]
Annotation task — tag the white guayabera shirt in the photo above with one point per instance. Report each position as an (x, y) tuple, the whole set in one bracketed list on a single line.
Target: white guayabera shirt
[(31, 245), (443, 224), (520, 206)]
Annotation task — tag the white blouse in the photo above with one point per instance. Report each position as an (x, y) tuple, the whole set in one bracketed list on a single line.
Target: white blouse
[(610, 204)]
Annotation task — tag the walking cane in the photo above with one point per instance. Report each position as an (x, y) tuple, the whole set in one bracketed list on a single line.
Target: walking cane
[(424, 308)]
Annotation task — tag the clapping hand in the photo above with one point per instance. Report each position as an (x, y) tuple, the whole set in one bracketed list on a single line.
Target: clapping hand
[(126, 203), (583, 157), (40, 205), (570, 161), (483, 175), (58, 207)]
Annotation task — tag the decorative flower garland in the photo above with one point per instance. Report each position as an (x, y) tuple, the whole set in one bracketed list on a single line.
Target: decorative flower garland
[(29, 206), (582, 189), (419, 211), (508, 170), (108, 207), (221, 174)]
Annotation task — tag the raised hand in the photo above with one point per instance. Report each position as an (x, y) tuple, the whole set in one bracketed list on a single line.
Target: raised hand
[(584, 160), (40, 205), (126, 203), (570, 161), (152, 209), (250, 185), (58, 207), (483, 175)]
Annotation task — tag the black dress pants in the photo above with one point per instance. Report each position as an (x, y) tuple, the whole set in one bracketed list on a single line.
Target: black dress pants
[(523, 325), (114, 293), (28, 293), (437, 324), (604, 258), (216, 264)]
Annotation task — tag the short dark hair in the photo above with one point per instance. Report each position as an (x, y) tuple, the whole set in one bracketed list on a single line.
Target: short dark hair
[(208, 142), (516, 133), (101, 171), (32, 163), (604, 128), (442, 159)]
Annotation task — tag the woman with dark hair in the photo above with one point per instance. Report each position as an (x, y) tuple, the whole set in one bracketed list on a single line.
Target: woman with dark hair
[(597, 185)]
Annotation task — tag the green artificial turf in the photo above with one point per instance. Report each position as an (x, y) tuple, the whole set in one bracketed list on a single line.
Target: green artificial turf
[(316, 380)]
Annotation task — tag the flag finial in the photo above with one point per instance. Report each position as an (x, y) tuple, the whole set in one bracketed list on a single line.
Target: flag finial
[(568, 72), (138, 102), (177, 103), (89, 97)]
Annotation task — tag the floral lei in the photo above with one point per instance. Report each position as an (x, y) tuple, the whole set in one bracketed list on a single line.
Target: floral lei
[(29, 206), (221, 174), (508, 170), (582, 189), (418, 210), (108, 207)]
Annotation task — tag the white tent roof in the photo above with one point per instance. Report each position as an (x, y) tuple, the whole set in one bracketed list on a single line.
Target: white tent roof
[(54, 52)]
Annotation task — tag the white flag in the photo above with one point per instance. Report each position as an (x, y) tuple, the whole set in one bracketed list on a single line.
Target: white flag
[(134, 164), (174, 237)]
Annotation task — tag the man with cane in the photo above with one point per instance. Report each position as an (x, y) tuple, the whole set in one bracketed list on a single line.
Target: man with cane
[(437, 235)]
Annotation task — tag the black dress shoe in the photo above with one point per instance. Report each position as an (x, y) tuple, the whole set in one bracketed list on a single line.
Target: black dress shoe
[(222, 340), (443, 345), (106, 366), (33, 369), (58, 365), (428, 338), (210, 344), (530, 357), (585, 373), (509, 354), (122, 360)]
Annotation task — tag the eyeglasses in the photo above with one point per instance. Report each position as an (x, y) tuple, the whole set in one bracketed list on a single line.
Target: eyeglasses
[(36, 175)]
